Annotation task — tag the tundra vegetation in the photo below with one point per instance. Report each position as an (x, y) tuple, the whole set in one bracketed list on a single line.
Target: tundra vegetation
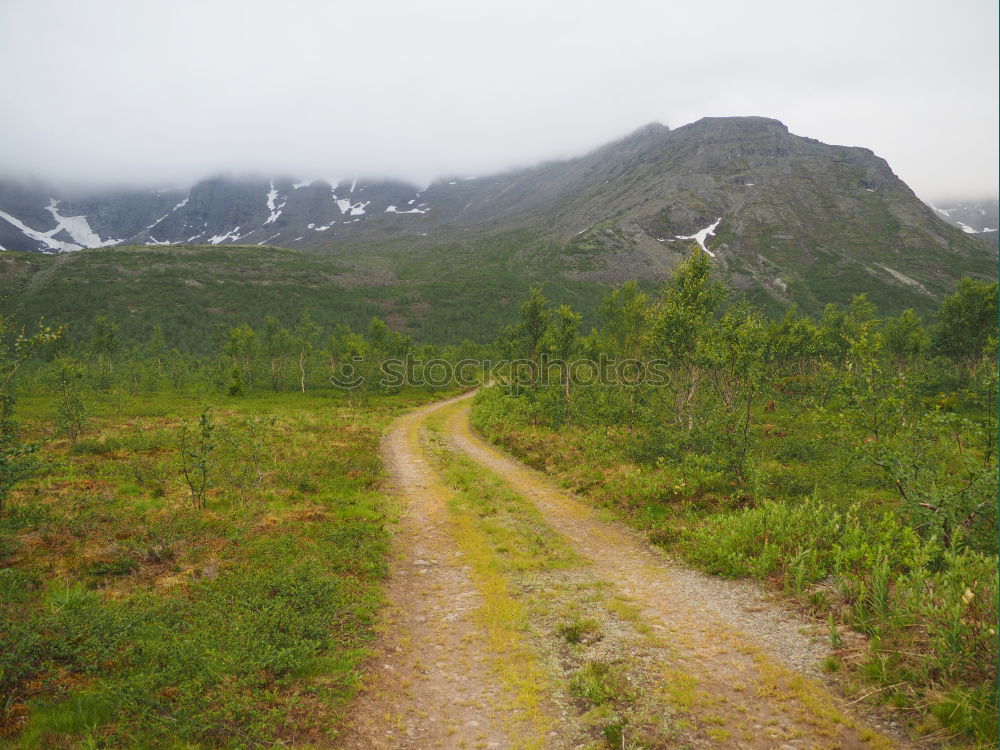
[(191, 549), (193, 542), (847, 460)]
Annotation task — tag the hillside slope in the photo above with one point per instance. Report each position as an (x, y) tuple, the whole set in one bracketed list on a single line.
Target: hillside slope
[(193, 292)]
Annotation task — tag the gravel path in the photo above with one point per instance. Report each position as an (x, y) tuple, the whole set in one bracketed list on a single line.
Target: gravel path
[(430, 685), (717, 663)]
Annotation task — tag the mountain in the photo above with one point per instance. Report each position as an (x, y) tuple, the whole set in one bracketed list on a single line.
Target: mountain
[(786, 219), (972, 217), (978, 218)]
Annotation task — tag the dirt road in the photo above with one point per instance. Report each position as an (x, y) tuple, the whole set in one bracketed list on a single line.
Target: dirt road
[(608, 644)]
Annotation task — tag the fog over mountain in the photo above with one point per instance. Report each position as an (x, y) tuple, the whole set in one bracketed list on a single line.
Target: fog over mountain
[(784, 218), (328, 90)]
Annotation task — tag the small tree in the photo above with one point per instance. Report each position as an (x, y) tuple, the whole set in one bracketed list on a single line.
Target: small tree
[(246, 455), (562, 338), (627, 312), (382, 344), (305, 335), (178, 369), (196, 448), (349, 369), (240, 348), (534, 322), (944, 482), (235, 387), (103, 347), (905, 337), (966, 320), (71, 412), (680, 325), (156, 348), (733, 351), (276, 342), (872, 394)]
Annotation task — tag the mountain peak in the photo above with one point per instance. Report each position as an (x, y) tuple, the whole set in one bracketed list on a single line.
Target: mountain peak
[(744, 121), (736, 125)]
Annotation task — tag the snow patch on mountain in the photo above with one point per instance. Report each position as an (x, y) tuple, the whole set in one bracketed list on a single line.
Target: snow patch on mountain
[(273, 206), (348, 208), (175, 208), (44, 237), (394, 210), (158, 220), (703, 234), (972, 217), (77, 227), (232, 234)]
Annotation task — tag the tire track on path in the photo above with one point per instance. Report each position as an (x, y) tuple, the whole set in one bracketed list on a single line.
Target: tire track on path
[(429, 684)]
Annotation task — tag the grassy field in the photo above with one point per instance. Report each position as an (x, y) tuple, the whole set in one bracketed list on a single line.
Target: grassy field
[(129, 617)]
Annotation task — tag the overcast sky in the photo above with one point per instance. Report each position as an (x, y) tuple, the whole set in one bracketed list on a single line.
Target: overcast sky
[(155, 92)]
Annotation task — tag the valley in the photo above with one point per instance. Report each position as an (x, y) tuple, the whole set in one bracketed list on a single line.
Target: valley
[(272, 541), (223, 526), (499, 376)]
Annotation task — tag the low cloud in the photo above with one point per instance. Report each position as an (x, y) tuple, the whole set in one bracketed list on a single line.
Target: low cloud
[(115, 91)]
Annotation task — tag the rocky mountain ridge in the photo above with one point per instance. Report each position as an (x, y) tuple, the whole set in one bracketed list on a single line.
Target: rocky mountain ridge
[(678, 179), (787, 219), (972, 217)]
